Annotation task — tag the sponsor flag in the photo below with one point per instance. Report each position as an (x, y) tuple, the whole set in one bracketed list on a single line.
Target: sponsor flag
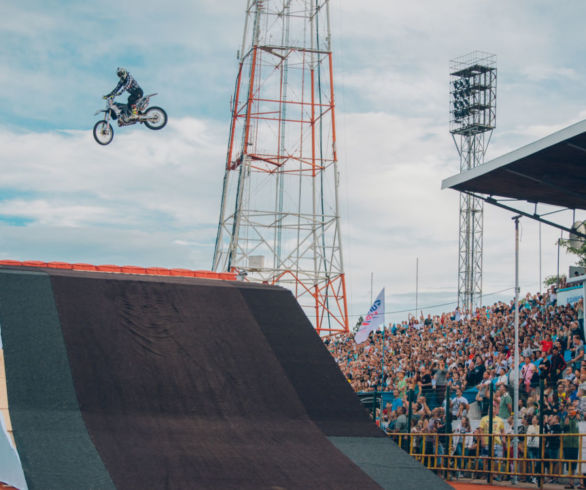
[(374, 318)]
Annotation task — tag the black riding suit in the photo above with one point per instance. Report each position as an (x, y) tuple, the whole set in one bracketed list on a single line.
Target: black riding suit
[(133, 88)]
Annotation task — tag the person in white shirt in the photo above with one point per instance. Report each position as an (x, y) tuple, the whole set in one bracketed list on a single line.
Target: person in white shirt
[(459, 405), (458, 442), (533, 446)]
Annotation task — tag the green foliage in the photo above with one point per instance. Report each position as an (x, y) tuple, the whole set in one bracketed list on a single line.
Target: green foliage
[(578, 252), (553, 280)]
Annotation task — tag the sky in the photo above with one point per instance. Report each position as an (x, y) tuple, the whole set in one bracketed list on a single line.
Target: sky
[(152, 198)]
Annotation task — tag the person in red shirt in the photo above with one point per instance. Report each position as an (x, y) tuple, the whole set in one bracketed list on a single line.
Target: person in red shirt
[(547, 344)]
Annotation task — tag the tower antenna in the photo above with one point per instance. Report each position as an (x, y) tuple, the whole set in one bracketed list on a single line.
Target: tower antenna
[(279, 221)]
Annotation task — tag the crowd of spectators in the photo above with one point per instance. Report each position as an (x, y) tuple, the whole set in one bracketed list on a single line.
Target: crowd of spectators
[(466, 353)]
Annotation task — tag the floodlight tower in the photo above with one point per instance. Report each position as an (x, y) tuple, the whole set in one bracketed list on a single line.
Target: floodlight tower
[(279, 220), (472, 119)]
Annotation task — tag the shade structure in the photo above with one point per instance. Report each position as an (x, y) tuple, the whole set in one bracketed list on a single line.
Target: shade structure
[(551, 170)]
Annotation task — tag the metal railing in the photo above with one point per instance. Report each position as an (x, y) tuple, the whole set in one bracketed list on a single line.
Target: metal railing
[(540, 458)]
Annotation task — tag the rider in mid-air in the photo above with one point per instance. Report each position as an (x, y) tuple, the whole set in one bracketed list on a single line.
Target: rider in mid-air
[(127, 82)]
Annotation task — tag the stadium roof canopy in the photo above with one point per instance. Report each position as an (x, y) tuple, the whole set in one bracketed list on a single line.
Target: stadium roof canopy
[(551, 171)]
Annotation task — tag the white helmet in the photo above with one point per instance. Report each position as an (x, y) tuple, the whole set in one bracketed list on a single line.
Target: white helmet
[(121, 72)]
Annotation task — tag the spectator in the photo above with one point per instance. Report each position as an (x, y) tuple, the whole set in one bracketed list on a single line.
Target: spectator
[(441, 382), (416, 441), (577, 349), (533, 447), (503, 377), (558, 364), (505, 403), (459, 405), (527, 372), (545, 370), (468, 350), (571, 446), (546, 345), (401, 423), (426, 384), (402, 384), (552, 450), (421, 408), (476, 373), (458, 442), (397, 400), (483, 395), (498, 432), (431, 446), (579, 307), (385, 420), (472, 450)]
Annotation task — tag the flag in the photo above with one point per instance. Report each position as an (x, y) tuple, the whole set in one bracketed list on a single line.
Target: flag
[(374, 318)]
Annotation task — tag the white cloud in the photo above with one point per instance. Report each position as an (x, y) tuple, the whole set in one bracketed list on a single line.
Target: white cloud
[(54, 213), (152, 198), (167, 180), (395, 213)]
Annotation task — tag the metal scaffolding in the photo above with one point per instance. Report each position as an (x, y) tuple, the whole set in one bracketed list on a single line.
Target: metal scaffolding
[(472, 119), (279, 220)]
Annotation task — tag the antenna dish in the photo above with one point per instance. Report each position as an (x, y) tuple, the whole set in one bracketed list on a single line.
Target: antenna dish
[(576, 239)]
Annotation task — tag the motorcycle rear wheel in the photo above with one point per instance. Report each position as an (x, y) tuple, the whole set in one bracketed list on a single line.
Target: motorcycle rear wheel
[(156, 118), (103, 132)]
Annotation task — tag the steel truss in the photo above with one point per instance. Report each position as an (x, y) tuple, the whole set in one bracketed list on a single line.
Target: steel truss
[(279, 220), (472, 119), (535, 215)]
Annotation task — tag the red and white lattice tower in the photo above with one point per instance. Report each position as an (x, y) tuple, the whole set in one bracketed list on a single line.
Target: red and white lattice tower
[(279, 220)]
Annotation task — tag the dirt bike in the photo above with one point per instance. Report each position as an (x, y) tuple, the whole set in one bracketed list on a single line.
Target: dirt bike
[(153, 117)]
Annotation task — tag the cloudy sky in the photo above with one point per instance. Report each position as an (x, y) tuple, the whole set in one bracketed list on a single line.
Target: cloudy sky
[(152, 198)]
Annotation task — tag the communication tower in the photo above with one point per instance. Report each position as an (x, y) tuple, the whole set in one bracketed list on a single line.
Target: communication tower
[(472, 119), (279, 220)]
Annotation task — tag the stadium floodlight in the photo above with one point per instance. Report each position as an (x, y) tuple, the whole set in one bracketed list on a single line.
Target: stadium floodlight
[(472, 119)]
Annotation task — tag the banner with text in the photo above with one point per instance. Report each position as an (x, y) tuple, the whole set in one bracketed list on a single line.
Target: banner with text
[(374, 318)]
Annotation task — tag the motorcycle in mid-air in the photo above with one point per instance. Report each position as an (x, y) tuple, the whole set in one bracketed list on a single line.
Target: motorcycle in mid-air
[(153, 117)]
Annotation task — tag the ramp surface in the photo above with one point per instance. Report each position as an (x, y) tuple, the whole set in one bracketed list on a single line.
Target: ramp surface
[(54, 446), (178, 383)]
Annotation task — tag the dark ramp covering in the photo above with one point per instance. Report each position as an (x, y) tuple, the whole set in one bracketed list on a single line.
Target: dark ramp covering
[(328, 398), (179, 389), (182, 384), (54, 447), (388, 465), (326, 395)]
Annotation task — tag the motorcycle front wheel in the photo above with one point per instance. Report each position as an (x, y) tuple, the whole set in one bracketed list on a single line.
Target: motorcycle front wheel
[(155, 118), (103, 132)]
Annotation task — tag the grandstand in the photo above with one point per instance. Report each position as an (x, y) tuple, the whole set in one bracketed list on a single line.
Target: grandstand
[(427, 360), (468, 360)]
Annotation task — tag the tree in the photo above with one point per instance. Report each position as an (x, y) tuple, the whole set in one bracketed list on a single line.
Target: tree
[(579, 252), (554, 280)]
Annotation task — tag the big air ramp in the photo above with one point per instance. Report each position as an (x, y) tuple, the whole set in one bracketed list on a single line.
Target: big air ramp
[(133, 382)]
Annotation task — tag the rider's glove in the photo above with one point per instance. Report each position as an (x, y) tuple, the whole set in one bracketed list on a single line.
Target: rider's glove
[(106, 96)]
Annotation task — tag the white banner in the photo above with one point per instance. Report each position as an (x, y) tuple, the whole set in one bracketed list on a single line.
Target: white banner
[(571, 295), (374, 318)]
